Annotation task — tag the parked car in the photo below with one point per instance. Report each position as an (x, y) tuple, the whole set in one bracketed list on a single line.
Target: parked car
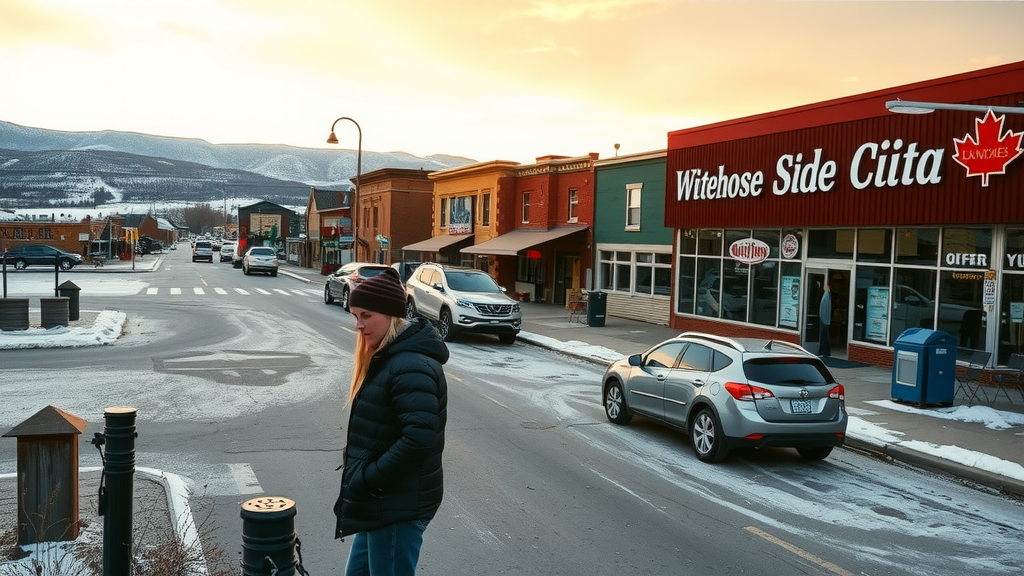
[(227, 252), (731, 392), (25, 255), (340, 284), (462, 300), (260, 259), (202, 250)]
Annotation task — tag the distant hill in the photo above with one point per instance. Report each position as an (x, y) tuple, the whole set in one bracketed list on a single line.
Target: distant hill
[(41, 167)]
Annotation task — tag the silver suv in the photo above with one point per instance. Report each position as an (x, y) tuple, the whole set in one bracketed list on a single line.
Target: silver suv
[(462, 300), (729, 393)]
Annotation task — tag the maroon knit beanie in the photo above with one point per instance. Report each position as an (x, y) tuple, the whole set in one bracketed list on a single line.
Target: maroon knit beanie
[(382, 293)]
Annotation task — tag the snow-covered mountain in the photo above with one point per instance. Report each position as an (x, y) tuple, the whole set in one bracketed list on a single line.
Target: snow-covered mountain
[(40, 167)]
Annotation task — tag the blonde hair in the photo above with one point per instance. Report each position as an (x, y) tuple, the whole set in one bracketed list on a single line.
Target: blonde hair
[(364, 353)]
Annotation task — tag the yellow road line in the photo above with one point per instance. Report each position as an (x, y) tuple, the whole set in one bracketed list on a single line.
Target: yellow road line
[(800, 552)]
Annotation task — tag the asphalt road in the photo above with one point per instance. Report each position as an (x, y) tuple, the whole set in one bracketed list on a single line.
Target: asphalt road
[(239, 382)]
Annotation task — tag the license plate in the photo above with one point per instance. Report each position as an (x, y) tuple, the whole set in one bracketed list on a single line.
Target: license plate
[(800, 406)]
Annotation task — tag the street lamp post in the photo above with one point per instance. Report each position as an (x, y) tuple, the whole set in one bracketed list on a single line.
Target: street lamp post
[(908, 107), (354, 204)]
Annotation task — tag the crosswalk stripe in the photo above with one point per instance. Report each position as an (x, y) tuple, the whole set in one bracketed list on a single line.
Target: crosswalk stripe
[(285, 292), (176, 291), (220, 291), (242, 291), (262, 291), (198, 291), (151, 291)]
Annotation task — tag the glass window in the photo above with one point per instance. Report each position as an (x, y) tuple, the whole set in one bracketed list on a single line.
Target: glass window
[(769, 237), (526, 206), (688, 241), (765, 290), (912, 300), (665, 356), (837, 244), (709, 289), (444, 213), (874, 245), (623, 277), (967, 248), (574, 202), (1011, 315), (633, 206), (696, 357), (871, 304), (917, 246), (789, 294), (685, 282), (960, 307), (735, 284), (485, 210), (709, 243)]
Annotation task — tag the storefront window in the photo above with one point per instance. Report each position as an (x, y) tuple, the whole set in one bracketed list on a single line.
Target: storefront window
[(735, 284), (835, 244), (790, 294), (1011, 317), (871, 304), (709, 288), (874, 245), (913, 300), (765, 290), (653, 274), (769, 237), (960, 307), (686, 269), (688, 241), (967, 248), (917, 246), (709, 243)]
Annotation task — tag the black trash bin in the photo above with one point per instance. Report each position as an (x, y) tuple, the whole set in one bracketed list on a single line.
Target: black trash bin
[(70, 290), (924, 369), (597, 303)]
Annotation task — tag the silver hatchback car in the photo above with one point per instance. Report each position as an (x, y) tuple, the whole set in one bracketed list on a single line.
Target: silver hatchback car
[(728, 393)]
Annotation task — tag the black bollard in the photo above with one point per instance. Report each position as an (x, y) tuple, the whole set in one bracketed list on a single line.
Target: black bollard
[(116, 501), (268, 537)]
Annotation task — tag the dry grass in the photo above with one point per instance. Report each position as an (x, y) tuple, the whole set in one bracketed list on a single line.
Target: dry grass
[(157, 552)]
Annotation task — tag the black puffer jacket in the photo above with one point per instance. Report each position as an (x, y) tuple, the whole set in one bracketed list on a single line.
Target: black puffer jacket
[(392, 468)]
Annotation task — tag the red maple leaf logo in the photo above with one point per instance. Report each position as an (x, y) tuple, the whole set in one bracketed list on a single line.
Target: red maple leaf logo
[(990, 150)]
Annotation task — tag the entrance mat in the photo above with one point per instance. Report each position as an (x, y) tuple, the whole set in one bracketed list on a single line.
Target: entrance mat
[(840, 363)]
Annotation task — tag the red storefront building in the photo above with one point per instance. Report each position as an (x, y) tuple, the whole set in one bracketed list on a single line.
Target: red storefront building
[(912, 220)]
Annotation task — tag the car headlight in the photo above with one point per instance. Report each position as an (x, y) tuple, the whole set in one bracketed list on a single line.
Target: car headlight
[(463, 302)]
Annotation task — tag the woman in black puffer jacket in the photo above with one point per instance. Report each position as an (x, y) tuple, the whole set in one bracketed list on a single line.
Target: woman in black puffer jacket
[(392, 483)]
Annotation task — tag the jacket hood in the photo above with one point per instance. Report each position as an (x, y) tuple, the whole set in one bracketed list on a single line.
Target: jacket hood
[(421, 337)]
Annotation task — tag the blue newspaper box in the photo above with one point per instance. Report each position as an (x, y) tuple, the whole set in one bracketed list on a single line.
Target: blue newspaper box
[(924, 368)]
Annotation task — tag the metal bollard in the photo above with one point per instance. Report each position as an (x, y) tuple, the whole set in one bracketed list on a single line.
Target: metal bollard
[(116, 497), (268, 537)]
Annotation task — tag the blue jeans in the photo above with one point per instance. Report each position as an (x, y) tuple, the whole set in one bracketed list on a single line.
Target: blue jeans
[(390, 551)]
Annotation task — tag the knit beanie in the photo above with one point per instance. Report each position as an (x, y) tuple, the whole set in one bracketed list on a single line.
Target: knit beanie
[(382, 293)]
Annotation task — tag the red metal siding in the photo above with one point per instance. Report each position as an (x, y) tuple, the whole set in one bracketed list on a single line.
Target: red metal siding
[(839, 128)]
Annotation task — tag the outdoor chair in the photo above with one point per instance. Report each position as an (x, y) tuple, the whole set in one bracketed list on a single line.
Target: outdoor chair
[(1012, 378), (969, 383)]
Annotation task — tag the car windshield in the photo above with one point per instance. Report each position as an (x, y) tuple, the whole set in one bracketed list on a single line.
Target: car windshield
[(262, 252), (787, 372), (369, 272), (471, 282)]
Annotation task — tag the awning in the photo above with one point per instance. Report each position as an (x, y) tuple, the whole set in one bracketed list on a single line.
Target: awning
[(511, 243), (437, 242)]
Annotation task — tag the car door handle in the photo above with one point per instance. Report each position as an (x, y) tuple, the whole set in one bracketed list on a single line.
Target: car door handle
[(698, 383), (661, 377)]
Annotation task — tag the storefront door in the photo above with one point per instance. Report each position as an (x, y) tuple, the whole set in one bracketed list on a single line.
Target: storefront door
[(838, 281), (813, 287)]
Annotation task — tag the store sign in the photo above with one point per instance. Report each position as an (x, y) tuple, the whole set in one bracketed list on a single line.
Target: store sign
[(790, 246), (749, 251), (990, 149)]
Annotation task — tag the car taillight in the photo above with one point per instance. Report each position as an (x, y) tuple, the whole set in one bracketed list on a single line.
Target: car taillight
[(837, 393), (747, 393)]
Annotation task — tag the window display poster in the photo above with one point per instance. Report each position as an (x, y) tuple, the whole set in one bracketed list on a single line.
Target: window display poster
[(877, 313), (789, 305), (1017, 312)]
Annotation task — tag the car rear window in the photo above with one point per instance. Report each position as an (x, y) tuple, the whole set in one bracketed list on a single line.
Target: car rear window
[(262, 252), (787, 371), (203, 245), (370, 272)]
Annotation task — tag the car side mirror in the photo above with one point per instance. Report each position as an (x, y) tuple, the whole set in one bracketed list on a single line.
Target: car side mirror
[(437, 286), (635, 360)]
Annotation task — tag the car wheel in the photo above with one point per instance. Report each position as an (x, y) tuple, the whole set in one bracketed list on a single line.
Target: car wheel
[(706, 435), (615, 404), (444, 326), (507, 338), (410, 310), (66, 265), (20, 264), (815, 452), (344, 299), (328, 298)]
